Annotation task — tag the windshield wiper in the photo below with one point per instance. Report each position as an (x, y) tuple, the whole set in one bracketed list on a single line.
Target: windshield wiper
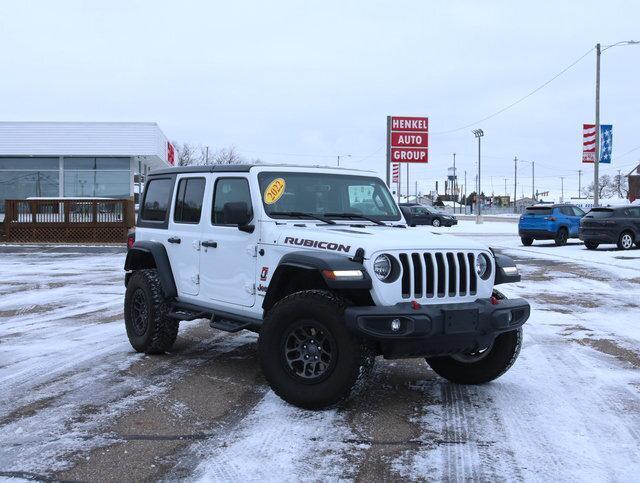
[(301, 214), (356, 216)]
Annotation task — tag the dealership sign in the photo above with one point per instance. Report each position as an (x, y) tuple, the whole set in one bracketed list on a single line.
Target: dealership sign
[(408, 139)]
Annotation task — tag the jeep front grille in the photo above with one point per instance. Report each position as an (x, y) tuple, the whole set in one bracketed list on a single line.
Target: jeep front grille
[(438, 274)]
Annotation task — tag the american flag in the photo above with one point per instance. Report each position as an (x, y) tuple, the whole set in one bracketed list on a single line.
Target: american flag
[(589, 143)]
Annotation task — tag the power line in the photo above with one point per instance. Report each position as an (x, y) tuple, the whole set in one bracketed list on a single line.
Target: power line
[(500, 111)]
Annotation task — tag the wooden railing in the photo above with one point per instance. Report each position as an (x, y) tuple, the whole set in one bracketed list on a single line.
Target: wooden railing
[(68, 220)]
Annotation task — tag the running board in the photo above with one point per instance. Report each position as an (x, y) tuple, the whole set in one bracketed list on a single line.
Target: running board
[(218, 320), (187, 315), (228, 325)]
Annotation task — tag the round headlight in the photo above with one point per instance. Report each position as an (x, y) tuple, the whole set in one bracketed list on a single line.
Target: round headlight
[(483, 266), (382, 267)]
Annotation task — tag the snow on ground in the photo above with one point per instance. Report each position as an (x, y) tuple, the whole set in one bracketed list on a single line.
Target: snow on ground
[(569, 409)]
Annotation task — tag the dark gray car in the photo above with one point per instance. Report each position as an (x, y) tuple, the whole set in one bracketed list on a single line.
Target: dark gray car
[(611, 225), (417, 214)]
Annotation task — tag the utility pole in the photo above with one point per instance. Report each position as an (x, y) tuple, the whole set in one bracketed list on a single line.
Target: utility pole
[(619, 190), (465, 191), (596, 163), (533, 181), (455, 179), (562, 189), (478, 133), (505, 188), (206, 155), (515, 183), (579, 183)]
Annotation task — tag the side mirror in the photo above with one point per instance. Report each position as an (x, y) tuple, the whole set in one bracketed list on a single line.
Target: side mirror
[(237, 213)]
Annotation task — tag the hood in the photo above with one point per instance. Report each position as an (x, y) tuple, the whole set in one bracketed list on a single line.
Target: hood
[(342, 238)]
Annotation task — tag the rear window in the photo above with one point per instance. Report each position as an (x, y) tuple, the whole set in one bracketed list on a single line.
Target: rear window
[(599, 213), (539, 210), (157, 199)]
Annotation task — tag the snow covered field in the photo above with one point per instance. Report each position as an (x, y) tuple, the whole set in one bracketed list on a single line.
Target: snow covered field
[(77, 403)]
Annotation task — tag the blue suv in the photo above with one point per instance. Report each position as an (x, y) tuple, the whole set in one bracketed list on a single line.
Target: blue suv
[(550, 222)]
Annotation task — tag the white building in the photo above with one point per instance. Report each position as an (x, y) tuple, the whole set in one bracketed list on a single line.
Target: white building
[(78, 159)]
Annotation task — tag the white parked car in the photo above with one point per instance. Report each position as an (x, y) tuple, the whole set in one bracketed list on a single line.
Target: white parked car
[(320, 263)]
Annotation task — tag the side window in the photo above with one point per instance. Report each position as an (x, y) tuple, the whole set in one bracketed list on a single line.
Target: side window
[(229, 191), (566, 210), (189, 200), (157, 199), (578, 211), (635, 212)]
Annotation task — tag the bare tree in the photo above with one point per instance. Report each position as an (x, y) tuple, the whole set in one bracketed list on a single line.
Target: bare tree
[(189, 154), (186, 154), (620, 186), (228, 155), (607, 188)]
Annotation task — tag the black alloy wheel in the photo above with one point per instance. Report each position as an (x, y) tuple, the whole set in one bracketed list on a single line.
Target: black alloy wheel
[(309, 351), (139, 313)]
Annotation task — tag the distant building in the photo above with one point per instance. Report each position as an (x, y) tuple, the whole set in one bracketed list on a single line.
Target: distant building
[(78, 159), (634, 184), (523, 203)]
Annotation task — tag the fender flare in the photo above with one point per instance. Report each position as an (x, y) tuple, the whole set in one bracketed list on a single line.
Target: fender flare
[(152, 255), (505, 276), (315, 262)]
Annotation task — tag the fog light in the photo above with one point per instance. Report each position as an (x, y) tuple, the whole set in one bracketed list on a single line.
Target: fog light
[(395, 325)]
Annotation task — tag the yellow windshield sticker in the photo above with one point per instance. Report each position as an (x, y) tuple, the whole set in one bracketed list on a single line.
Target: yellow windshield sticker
[(274, 191)]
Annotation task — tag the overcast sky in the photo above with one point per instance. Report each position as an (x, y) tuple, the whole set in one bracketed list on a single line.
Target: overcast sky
[(304, 81)]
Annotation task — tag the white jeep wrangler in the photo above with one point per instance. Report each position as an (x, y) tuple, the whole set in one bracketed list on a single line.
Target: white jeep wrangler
[(320, 263)]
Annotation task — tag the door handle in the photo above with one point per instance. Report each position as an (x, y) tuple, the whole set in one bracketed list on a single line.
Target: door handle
[(174, 239), (210, 244)]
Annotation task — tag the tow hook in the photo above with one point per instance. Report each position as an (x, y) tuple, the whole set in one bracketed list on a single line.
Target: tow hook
[(494, 300)]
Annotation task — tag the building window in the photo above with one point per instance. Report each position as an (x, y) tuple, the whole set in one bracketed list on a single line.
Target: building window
[(97, 177), (22, 178)]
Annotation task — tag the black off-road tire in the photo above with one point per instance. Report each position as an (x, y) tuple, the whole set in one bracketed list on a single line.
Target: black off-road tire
[(526, 241), (625, 241), (157, 333), (591, 245), (353, 358), (501, 356), (561, 237)]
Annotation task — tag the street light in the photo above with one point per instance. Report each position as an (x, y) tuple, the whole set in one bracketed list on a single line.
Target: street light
[(596, 162), (478, 133)]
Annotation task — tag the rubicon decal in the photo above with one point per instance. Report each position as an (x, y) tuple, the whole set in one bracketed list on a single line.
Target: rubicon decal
[(304, 242)]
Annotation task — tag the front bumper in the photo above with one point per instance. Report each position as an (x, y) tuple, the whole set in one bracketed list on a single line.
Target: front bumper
[(436, 330)]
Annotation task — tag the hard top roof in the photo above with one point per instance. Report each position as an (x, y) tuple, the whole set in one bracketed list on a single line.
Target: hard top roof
[(241, 168)]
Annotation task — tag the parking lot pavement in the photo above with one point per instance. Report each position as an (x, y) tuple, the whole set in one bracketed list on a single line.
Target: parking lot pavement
[(78, 403)]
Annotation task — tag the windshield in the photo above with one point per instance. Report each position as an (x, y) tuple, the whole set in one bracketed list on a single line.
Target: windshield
[(319, 193)]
